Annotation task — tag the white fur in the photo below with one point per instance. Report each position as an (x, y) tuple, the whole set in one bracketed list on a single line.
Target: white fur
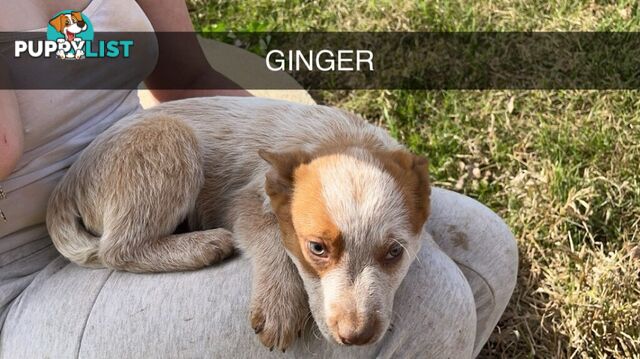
[(215, 141), (362, 199)]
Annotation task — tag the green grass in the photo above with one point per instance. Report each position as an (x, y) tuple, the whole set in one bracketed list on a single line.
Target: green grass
[(561, 167)]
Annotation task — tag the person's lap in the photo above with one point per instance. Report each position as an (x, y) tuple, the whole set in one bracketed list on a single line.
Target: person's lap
[(70, 311)]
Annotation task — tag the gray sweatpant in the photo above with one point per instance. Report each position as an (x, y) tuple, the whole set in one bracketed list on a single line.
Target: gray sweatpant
[(446, 307)]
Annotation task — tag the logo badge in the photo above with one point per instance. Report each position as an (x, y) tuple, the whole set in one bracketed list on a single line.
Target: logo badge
[(70, 36), (71, 30)]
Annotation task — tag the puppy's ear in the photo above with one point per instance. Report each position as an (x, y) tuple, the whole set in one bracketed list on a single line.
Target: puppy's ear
[(422, 191), (58, 22), (413, 178), (279, 180), (420, 167)]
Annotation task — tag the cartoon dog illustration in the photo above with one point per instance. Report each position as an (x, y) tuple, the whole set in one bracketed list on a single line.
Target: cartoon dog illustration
[(69, 25)]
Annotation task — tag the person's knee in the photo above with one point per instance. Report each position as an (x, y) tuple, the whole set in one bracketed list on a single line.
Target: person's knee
[(483, 247), (475, 237), (509, 258), (434, 310)]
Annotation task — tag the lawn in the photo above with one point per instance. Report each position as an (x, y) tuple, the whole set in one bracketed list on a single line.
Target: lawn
[(561, 167)]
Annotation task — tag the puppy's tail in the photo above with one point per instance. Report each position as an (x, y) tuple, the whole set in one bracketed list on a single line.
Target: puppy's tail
[(67, 231)]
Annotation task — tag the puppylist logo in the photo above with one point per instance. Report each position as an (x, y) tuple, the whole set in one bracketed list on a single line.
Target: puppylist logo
[(70, 37)]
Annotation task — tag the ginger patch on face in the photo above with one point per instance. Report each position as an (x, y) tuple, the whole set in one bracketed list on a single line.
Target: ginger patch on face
[(313, 224)]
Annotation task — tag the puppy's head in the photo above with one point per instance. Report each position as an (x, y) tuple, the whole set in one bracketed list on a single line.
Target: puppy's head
[(69, 24), (351, 222)]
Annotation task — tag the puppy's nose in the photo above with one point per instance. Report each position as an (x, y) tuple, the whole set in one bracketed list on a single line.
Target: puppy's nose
[(350, 335), (81, 23)]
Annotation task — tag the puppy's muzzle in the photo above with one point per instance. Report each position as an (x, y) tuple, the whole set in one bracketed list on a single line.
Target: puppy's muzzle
[(351, 334), (352, 328)]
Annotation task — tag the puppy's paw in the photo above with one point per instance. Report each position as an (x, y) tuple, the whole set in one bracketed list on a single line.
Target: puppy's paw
[(216, 244), (277, 319)]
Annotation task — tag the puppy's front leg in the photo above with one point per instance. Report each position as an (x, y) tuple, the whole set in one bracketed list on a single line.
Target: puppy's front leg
[(279, 305)]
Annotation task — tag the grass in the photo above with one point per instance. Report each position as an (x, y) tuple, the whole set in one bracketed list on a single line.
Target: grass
[(561, 167)]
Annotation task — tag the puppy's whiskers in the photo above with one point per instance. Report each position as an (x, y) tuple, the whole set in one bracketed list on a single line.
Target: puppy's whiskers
[(304, 332), (316, 332), (414, 254)]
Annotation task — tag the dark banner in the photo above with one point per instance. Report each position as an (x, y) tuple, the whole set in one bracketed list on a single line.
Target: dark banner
[(390, 60)]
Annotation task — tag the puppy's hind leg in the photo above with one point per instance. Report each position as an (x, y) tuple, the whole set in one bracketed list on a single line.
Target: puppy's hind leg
[(155, 181), (178, 252)]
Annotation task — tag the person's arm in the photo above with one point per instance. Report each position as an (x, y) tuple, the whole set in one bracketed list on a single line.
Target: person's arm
[(11, 133), (186, 55)]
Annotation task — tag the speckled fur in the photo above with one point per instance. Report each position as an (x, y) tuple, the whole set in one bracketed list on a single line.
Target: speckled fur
[(197, 160)]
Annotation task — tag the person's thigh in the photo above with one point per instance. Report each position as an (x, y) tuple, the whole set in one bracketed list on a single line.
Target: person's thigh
[(484, 248), (75, 312)]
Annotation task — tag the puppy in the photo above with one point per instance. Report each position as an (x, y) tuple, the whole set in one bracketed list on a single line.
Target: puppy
[(329, 208), (69, 25)]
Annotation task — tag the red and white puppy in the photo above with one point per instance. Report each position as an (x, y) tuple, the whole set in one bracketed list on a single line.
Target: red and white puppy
[(329, 208)]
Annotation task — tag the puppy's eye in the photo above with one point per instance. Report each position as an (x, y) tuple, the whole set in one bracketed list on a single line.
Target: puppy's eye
[(317, 248), (394, 252)]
